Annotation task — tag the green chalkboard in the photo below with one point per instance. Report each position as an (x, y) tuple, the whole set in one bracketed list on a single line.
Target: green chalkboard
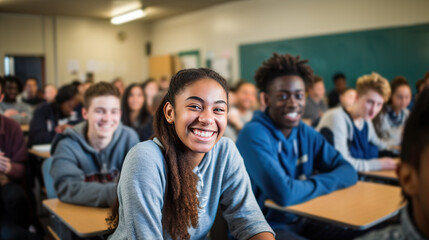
[(390, 52)]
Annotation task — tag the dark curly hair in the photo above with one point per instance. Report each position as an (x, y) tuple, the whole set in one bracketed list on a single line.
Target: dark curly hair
[(180, 209), (13, 79), (282, 65)]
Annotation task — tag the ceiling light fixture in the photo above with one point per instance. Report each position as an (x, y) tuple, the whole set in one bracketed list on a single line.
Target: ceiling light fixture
[(127, 17)]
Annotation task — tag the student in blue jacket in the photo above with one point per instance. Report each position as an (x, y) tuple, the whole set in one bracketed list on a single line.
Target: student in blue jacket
[(288, 161), (171, 186)]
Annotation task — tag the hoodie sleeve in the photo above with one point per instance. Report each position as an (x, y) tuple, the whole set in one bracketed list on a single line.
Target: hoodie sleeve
[(69, 179), (268, 174), (336, 124), (238, 203)]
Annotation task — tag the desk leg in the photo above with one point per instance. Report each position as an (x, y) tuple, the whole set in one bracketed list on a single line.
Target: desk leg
[(62, 231)]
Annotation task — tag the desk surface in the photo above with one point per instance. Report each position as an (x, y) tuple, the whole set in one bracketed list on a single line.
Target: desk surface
[(39, 154), (83, 221), (358, 207)]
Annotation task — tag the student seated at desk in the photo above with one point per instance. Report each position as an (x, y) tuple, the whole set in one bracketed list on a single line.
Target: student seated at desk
[(350, 129), (170, 188), (281, 153), (52, 118), (348, 97), (88, 158), (135, 113), (15, 214), (413, 174), (390, 122), (315, 104), (31, 94), (242, 111), (10, 107)]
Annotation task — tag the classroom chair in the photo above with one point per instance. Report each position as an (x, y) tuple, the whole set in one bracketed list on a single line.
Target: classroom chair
[(47, 178)]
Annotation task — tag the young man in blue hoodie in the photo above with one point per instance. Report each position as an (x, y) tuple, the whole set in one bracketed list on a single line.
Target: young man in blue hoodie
[(88, 157), (288, 161)]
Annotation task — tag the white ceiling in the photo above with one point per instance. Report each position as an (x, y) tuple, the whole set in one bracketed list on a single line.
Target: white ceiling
[(155, 9)]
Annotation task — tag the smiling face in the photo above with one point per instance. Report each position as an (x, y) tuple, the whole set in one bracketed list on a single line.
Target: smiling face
[(199, 115), (369, 104), (246, 96), (136, 99), (285, 99), (10, 91), (103, 116)]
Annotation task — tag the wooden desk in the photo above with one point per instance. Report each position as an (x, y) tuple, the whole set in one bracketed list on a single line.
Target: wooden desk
[(42, 155), (82, 221), (358, 207)]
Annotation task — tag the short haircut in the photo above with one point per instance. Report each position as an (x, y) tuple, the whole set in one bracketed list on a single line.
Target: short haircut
[(282, 65), (66, 93), (342, 92), (31, 78), (15, 80), (416, 132), (240, 83), (375, 82), (100, 89), (338, 76)]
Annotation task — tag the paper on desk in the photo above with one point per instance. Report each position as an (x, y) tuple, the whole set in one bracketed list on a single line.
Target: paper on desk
[(42, 147)]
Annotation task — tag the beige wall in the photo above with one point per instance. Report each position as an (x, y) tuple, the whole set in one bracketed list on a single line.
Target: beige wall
[(223, 28), (64, 41)]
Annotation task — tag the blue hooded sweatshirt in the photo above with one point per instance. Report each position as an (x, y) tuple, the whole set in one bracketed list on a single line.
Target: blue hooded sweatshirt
[(290, 170)]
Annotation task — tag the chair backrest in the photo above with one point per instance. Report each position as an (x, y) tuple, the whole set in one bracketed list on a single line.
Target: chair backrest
[(47, 178)]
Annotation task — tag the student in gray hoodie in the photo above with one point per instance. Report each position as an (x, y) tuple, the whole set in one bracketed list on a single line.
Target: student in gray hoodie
[(88, 158)]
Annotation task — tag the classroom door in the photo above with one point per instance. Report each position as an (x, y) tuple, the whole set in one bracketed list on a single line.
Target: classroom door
[(26, 66)]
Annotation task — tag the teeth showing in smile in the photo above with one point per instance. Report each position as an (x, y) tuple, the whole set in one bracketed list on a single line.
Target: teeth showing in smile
[(292, 114), (202, 133)]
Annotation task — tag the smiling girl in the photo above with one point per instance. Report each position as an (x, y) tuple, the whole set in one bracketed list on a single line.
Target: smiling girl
[(170, 188)]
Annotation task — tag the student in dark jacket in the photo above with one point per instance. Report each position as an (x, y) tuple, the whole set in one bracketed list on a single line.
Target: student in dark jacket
[(282, 153), (52, 118), (14, 206), (340, 84)]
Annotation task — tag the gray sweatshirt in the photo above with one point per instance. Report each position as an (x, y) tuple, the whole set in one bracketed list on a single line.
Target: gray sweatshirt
[(339, 123), (20, 107), (83, 175), (222, 180)]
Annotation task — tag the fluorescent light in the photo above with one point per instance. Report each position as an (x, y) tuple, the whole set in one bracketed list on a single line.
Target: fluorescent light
[(139, 13)]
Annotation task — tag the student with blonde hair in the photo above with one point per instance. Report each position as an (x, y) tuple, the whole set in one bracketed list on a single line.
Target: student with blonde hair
[(350, 129)]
